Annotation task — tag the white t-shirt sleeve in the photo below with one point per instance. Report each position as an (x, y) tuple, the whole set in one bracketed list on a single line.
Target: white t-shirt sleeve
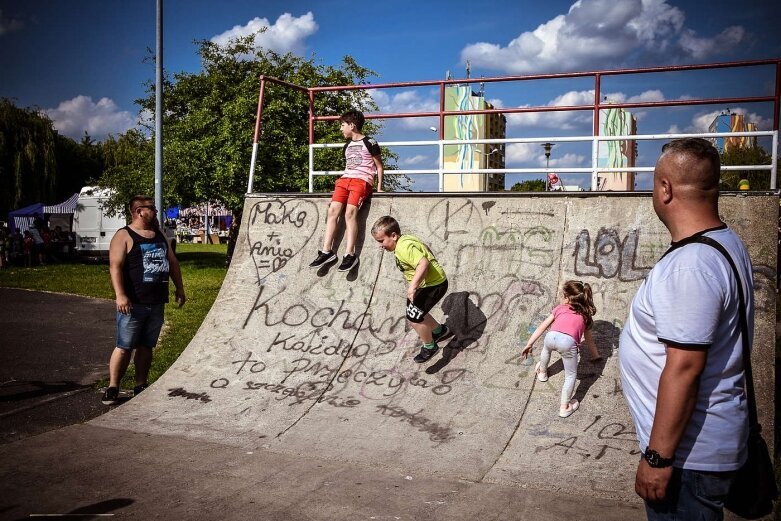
[(687, 304)]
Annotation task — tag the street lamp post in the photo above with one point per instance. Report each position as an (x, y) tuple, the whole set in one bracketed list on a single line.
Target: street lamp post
[(547, 147), (159, 115)]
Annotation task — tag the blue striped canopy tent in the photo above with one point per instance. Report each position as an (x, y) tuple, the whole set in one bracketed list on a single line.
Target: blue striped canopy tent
[(22, 218), (67, 206), (62, 214)]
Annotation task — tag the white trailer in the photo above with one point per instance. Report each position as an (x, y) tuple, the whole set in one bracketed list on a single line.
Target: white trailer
[(93, 227)]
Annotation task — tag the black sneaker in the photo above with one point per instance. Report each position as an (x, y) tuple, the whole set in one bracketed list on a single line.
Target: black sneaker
[(426, 354), (323, 258), (445, 333), (111, 396), (137, 389), (349, 262)]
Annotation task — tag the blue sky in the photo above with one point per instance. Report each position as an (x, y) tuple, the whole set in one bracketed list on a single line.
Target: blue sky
[(83, 62)]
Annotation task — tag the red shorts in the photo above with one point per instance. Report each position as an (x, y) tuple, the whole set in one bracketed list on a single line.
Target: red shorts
[(351, 190)]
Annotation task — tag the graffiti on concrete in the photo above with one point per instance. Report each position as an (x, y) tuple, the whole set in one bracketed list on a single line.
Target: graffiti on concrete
[(611, 257), (598, 440)]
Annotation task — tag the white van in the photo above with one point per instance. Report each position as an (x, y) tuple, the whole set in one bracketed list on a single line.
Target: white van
[(94, 228)]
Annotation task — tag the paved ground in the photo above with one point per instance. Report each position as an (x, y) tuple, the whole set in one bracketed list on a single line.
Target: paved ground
[(54, 348), (90, 470), (84, 470)]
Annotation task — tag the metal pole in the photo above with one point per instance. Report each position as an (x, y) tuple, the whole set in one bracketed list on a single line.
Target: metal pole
[(206, 239), (441, 147), (595, 133), (258, 118), (159, 116)]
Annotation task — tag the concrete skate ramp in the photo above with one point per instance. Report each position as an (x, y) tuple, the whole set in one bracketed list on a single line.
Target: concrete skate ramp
[(321, 364)]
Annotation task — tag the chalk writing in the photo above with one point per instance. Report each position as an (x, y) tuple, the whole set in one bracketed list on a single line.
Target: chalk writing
[(180, 391), (436, 432)]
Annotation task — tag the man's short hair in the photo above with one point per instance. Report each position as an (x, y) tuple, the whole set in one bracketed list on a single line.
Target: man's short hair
[(387, 225), (138, 200), (355, 117), (703, 151)]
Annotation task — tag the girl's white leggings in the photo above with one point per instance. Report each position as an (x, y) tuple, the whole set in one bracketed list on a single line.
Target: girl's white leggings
[(566, 346)]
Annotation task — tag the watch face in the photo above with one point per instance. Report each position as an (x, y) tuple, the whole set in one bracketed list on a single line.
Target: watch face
[(655, 460), (652, 457)]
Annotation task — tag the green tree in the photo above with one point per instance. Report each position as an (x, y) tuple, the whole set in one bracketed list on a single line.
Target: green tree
[(532, 185), (756, 155), (78, 164), (28, 164), (128, 160), (209, 124), (37, 164)]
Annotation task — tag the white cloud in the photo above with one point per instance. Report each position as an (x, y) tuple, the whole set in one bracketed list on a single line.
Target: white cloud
[(567, 120), (567, 161), (532, 155), (287, 34), (9, 24), (407, 101), (702, 121), (700, 48), (594, 33), (419, 159), (75, 116)]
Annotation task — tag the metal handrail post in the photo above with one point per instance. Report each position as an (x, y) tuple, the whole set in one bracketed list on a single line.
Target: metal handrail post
[(594, 165), (311, 169), (441, 170), (258, 118), (774, 159)]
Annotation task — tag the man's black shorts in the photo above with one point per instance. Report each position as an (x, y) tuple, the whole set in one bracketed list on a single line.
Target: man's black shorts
[(425, 299)]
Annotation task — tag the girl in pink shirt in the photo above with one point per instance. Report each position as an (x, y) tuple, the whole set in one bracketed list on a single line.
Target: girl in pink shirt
[(569, 322)]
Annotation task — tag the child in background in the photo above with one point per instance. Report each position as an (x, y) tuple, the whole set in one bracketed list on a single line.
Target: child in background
[(569, 322), (427, 282), (28, 245), (362, 163)]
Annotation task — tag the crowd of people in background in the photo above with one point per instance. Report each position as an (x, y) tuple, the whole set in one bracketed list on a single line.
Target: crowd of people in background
[(190, 222), (36, 246)]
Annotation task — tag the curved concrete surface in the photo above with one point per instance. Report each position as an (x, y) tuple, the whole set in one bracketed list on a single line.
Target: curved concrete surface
[(320, 363)]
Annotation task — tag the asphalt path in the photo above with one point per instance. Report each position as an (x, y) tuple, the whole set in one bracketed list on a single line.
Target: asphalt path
[(53, 348)]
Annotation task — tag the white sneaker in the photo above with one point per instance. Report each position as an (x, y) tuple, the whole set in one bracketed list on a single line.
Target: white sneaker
[(542, 376), (572, 406)]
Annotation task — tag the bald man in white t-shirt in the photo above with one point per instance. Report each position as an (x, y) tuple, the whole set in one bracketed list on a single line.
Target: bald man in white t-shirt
[(680, 352)]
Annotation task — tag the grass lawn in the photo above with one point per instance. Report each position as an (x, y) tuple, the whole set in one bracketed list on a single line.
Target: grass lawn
[(203, 269)]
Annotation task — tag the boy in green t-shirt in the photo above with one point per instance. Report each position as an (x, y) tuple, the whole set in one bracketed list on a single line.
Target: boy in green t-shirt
[(427, 282)]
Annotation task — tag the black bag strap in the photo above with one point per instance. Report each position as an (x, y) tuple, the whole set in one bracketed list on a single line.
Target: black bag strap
[(752, 403)]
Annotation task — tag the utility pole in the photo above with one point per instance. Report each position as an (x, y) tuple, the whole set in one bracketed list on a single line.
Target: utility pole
[(159, 117)]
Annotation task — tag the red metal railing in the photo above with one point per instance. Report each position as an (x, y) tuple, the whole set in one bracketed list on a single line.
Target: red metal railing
[(594, 108)]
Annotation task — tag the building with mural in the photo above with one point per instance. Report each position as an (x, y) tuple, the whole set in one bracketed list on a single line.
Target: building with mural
[(617, 154), (468, 157), (729, 122)]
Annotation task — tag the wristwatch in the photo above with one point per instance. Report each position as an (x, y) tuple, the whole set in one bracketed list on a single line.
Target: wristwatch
[(655, 460)]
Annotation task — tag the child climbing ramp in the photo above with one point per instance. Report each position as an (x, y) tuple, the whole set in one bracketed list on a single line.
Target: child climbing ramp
[(426, 278), (569, 322)]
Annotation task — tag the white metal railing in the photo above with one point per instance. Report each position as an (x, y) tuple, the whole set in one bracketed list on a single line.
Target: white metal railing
[(593, 170)]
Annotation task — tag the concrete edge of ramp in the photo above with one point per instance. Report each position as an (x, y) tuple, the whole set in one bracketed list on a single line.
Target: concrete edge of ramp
[(159, 477), (319, 363)]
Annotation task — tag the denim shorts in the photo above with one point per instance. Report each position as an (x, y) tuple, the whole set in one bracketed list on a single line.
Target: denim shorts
[(692, 494), (141, 327)]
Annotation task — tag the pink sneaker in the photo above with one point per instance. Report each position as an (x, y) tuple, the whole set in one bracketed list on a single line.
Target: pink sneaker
[(542, 376), (571, 407)]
